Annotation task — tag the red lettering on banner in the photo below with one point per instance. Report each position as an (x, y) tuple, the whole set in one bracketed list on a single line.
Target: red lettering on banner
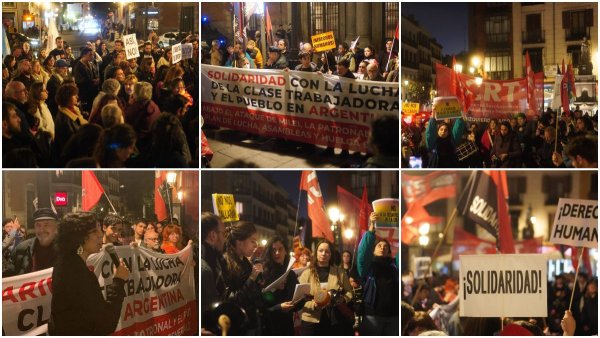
[(27, 290), (180, 321), (272, 80), (151, 304)]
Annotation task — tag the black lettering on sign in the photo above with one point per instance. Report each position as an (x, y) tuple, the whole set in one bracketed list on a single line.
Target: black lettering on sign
[(502, 282)]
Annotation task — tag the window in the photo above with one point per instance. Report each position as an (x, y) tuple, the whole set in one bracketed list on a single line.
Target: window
[(391, 14), (497, 29), (498, 66), (536, 58), (555, 187), (533, 29), (575, 53), (577, 24), (324, 17)]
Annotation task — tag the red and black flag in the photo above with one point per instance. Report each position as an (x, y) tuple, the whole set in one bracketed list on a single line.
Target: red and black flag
[(485, 203)]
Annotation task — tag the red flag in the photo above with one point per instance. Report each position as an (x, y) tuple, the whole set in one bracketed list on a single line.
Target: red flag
[(160, 207), (91, 190), (505, 238), (531, 100), (357, 210), (269, 27), (453, 79), (424, 189), (412, 220), (397, 36), (316, 211), (466, 243), (571, 83), (585, 258)]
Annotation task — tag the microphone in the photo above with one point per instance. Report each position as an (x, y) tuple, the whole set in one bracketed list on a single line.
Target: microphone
[(225, 324), (110, 249)]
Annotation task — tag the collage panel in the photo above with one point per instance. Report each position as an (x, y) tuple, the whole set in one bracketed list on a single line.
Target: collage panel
[(100, 84), (300, 85), (494, 252), (499, 85), (91, 253), (305, 253)]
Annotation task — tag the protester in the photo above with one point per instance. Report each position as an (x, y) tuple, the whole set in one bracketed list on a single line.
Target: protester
[(86, 78), (211, 265), (278, 314), (112, 226), (345, 54), (276, 59), (38, 109), (384, 132), (151, 241), (325, 318), (216, 54), (142, 112), (69, 118), (441, 144), (111, 115), (171, 239), (255, 53), (78, 305), (139, 227), (506, 152), (302, 256)]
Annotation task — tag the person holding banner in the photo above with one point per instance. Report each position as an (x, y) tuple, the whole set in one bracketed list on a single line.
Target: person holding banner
[(305, 64), (278, 314), (441, 144), (243, 279), (331, 290), (78, 306), (379, 273), (276, 60)]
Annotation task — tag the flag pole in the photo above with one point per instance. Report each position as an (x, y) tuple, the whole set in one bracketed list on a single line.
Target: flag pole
[(576, 273), (169, 200), (297, 213), (109, 202), (556, 132), (390, 54)]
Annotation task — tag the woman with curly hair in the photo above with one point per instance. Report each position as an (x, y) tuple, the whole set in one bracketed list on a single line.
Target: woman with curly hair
[(78, 307), (242, 278), (115, 146), (321, 318)]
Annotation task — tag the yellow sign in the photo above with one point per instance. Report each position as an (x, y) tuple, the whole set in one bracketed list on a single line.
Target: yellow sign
[(224, 206), (410, 108), (446, 107), (387, 211), (323, 42)]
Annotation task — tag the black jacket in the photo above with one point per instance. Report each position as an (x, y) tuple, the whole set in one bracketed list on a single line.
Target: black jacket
[(276, 322), (78, 306), (23, 257), (244, 291)]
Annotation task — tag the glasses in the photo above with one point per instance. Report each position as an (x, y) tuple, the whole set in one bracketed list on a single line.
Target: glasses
[(155, 239)]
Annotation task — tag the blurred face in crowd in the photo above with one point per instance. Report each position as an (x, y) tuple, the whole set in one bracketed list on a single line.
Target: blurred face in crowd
[(118, 45), (281, 45), (307, 47), (368, 52), (139, 229), (147, 49), (303, 259), (216, 238), (443, 131), (346, 258), (74, 101), (26, 47), (120, 57), (59, 43), (341, 70), (520, 121), (129, 86), (8, 227), (113, 232), (120, 75), (513, 123), (151, 239), (174, 237), (341, 49), (37, 68), (579, 125), (273, 56), (17, 52), (230, 50), (69, 50), (503, 130), (13, 125), (492, 125), (44, 93), (362, 68), (247, 247), (93, 242), (133, 63), (25, 67), (45, 231), (305, 61), (323, 254), (278, 252), (381, 249), (20, 92), (389, 45), (548, 136), (52, 62), (372, 70), (124, 153)]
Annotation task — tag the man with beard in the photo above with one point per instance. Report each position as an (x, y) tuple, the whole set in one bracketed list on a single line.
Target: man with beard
[(112, 226), (213, 243), (61, 72), (16, 94), (11, 128), (24, 73), (151, 241), (38, 253)]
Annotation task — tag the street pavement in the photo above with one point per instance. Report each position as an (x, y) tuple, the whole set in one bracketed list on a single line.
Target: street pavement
[(231, 146)]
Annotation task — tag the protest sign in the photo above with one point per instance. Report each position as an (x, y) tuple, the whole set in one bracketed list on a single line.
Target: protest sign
[(306, 107), (186, 51), (176, 52), (159, 294), (224, 206), (513, 285), (323, 42), (131, 46), (421, 267), (576, 223), (446, 107), (488, 99), (387, 211), (410, 108)]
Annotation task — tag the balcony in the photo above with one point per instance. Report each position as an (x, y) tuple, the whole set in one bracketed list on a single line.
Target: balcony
[(410, 42), (409, 64), (576, 34), (534, 36), (498, 41)]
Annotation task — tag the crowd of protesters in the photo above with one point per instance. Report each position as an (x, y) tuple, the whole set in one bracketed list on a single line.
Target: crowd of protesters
[(430, 307), (346, 295), (515, 143), (100, 109)]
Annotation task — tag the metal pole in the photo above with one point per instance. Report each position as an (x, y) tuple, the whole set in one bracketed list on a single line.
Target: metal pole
[(263, 38)]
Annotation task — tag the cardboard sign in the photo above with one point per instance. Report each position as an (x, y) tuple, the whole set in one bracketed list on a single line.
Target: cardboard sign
[(410, 108), (576, 223), (446, 107), (388, 211), (177, 55), (186, 51), (421, 267), (503, 286), (131, 46), (323, 42), (224, 207)]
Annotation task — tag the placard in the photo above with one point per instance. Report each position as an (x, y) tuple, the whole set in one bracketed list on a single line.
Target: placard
[(576, 223), (176, 52), (224, 207), (131, 46), (323, 42)]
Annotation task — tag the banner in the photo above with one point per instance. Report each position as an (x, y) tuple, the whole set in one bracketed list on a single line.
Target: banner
[(224, 207), (466, 243), (176, 52), (307, 107), (160, 298), (490, 99), (131, 46), (410, 108), (323, 42), (503, 286), (576, 223)]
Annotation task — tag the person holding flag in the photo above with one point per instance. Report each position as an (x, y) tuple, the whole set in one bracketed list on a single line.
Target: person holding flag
[(379, 274)]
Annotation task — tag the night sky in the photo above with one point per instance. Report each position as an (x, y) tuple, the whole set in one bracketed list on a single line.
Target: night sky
[(446, 22), (290, 182)]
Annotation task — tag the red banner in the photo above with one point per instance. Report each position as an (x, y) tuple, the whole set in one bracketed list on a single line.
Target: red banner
[(466, 243), (491, 98)]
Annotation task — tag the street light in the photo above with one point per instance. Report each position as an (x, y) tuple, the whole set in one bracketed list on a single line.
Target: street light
[(348, 234), (171, 177), (478, 81), (458, 68), (263, 242), (336, 218), (476, 61)]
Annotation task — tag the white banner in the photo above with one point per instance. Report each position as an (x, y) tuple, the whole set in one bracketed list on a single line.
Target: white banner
[(176, 53), (576, 223), (160, 297), (301, 106), (503, 286), (131, 46)]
